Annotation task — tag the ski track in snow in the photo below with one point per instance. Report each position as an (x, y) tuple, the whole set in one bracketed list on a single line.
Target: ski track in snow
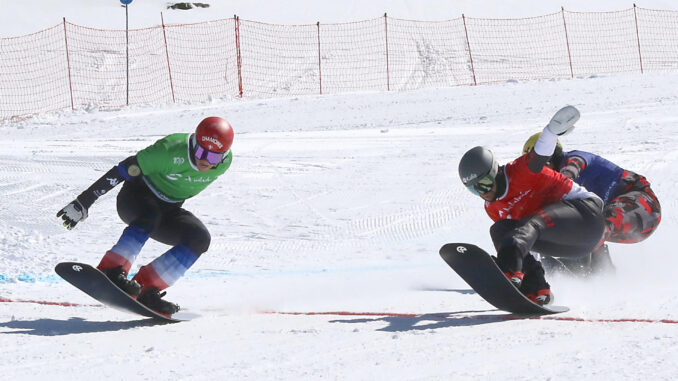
[(337, 203)]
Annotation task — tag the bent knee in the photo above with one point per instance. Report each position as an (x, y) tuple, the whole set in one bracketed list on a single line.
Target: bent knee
[(198, 240)]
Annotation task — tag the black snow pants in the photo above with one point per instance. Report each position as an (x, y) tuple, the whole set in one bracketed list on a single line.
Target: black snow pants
[(166, 222), (569, 228)]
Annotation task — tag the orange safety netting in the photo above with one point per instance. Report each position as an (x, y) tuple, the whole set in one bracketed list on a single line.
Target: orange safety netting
[(71, 66)]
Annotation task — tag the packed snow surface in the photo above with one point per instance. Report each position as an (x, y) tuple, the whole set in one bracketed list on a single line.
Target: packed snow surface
[(325, 235), (337, 204)]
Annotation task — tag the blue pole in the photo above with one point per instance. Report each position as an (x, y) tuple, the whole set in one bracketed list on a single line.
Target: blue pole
[(127, 43)]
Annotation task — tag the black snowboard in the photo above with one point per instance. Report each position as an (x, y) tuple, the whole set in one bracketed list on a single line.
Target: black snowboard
[(480, 271), (97, 285)]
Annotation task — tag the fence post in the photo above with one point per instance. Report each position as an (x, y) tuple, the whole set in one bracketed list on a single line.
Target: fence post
[(388, 72), (320, 73), (640, 56), (68, 65), (169, 68), (236, 20), (127, 47), (567, 42), (468, 46)]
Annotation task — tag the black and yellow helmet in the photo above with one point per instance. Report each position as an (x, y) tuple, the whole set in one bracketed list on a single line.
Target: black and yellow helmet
[(532, 140)]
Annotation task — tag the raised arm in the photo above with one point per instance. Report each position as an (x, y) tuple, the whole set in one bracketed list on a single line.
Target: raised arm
[(562, 123)]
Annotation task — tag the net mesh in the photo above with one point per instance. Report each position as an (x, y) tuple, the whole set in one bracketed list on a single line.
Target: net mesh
[(71, 66)]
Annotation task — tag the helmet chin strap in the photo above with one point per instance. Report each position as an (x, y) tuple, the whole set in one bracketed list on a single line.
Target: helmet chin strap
[(191, 148), (500, 181)]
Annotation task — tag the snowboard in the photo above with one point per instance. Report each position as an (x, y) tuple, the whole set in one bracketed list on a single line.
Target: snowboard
[(568, 267), (554, 266), (479, 270), (96, 284)]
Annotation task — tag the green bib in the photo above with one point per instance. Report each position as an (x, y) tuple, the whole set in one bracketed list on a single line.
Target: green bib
[(170, 173)]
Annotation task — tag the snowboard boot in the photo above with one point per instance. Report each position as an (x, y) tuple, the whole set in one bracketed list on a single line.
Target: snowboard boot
[(119, 277), (601, 263), (516, 278), (542, 297), (151, 297), (535, 287)]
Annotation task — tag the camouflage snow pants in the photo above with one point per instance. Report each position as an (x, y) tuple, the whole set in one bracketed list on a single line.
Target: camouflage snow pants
[(634, 214)]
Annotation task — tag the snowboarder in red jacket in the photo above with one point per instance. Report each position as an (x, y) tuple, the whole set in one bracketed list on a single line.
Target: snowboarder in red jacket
[(534, 208)]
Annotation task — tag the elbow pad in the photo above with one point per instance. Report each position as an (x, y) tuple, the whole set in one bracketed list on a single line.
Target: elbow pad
[(129, 168)]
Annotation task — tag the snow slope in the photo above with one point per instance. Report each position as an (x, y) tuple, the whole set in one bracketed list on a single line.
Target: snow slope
[(337, 203), (324, 261)]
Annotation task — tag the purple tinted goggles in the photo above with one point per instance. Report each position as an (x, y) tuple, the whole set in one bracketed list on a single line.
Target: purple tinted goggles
[(213, 158)]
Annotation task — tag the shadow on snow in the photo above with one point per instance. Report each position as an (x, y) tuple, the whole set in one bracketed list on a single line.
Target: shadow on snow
[(74, 325), (436, 320)]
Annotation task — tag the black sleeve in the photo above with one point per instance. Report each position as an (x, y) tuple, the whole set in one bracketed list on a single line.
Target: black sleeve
[(127, 169), (536, 162)]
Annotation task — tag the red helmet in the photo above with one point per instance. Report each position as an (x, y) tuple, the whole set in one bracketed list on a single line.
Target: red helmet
[(214, 134)]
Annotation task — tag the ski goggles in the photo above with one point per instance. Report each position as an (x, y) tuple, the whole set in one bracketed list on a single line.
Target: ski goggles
[(483, 185), (213, 158)]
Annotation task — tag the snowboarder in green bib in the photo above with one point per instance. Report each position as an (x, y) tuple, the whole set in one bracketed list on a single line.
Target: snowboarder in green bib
[(157, 181)]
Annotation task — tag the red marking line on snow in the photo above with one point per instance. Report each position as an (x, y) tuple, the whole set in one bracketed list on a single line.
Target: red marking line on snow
[(481, 317), (48, 303), (346, 313), (627, 320)]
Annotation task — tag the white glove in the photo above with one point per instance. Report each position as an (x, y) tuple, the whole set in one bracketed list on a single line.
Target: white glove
[(72, 214), (563, 121)]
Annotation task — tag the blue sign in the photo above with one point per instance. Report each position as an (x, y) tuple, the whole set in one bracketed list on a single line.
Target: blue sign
[(126, 1)]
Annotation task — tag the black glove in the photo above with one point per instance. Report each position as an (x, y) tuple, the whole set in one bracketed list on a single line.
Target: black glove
[(72, 214)]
